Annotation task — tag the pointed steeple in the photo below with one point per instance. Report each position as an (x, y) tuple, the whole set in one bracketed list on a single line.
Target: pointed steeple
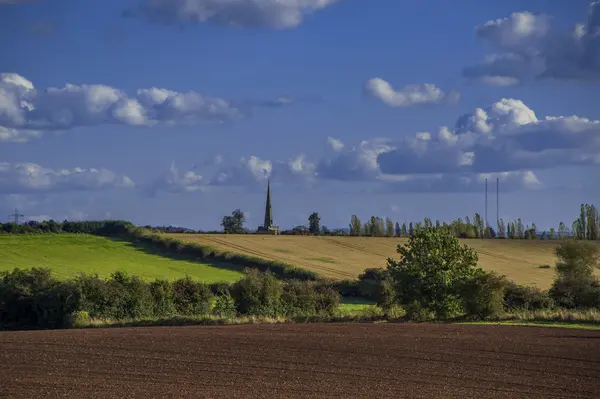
[(268, 209)]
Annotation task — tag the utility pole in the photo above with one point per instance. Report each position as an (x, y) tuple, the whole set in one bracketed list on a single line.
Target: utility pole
[(486, 233), (497, 205), (16, 215)]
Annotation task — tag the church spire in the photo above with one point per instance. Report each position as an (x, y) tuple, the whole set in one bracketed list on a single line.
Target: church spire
[(268, 209)]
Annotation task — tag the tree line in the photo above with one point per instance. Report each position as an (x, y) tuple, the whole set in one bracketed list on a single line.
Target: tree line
[(585, 227)]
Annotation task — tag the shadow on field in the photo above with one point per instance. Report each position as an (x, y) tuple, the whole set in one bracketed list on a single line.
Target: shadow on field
[(150, 250)]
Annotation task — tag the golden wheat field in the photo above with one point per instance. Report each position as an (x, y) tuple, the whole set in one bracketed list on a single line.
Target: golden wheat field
[(346, 257)]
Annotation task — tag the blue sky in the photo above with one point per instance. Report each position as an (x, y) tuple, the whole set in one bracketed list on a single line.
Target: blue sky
[(177, 112)]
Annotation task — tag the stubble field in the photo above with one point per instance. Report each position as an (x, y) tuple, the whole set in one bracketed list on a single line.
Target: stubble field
[(302, 361), (347, 257)]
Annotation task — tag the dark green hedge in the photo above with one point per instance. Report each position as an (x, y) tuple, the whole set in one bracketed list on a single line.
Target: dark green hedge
[(35, 299)]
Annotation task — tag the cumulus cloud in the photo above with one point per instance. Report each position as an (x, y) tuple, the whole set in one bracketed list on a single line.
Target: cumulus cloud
[(254, 170), (411, 95), (530, 48), (274, 14), (335, 144), (176, 182), (358, 163), (25, 178), (507, 136), (26, 113)]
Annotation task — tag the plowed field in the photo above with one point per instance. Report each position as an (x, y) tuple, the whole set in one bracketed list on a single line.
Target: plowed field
[(303, 361)]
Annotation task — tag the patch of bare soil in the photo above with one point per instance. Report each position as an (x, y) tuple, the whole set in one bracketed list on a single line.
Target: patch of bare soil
[(302, 361)]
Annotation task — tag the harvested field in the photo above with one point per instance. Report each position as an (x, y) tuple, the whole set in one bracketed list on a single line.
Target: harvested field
[(303, 361), (347, 257)]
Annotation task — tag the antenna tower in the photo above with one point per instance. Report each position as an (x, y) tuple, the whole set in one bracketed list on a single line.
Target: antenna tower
[(16, 215), (486, 209), (497, 204)]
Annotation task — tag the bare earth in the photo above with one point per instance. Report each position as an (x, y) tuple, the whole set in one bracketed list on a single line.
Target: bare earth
[(303, 361), (347, 257)]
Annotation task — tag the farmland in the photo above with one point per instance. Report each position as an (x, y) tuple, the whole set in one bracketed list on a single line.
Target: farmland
[(70, 254), (302, 361), (346, 257)]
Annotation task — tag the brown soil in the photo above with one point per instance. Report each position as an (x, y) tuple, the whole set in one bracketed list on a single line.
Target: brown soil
[(303, 361)]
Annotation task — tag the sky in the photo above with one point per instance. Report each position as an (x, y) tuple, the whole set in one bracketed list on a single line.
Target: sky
[(178, 112)]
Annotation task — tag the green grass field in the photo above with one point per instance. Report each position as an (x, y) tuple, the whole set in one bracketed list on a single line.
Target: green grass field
[(69, 254)]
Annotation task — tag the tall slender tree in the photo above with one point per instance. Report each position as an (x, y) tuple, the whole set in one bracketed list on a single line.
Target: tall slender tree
[(355, 226)]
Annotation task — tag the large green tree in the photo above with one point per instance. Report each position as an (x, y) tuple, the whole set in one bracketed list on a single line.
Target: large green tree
[(432, 269), (234, 224)]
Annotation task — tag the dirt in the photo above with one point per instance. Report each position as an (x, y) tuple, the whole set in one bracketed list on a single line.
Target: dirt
[(302, 361)]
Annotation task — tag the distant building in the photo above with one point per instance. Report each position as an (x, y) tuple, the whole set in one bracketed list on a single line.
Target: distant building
[(267, 227)]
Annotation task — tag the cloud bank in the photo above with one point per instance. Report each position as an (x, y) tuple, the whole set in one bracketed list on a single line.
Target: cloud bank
[(272, 14), (527, 47), (25, 178), (505, 140), (26, 112)]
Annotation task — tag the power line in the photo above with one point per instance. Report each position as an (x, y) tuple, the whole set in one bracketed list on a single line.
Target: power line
[(16, 215)]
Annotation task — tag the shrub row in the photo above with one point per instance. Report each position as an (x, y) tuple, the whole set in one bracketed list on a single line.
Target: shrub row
[(99, 227), (176, 246), (35, 299), (144, 236)]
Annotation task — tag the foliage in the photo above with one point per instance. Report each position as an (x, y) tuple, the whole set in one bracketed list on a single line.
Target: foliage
[(234, 224), (191, 297), (526, 298), (258, 294), (224, 305), (483, 295), (314, 226), (575, 285), (33, 298), (432, 268)]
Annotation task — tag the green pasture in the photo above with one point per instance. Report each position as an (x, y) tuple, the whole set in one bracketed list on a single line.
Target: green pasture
[(70, 254)]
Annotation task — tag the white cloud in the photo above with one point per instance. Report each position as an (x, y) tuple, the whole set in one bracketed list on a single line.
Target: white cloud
[(174, 182), (520, 29), (411, 95), (507, 136), (31, 178), (25, 112), (358, 163), (252, 170), (336, 145), (530, 48), (276, 14), (464, 182)]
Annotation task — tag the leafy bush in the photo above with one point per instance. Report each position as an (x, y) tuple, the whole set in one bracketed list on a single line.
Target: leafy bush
[(328, 300), (258, 294), (483, 295), (575, 285), (299, 298), (431, 271), (191, 297), (163, 296), (33, 298), (527, 298), (386, 296), (224, 305), (370, 281)]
